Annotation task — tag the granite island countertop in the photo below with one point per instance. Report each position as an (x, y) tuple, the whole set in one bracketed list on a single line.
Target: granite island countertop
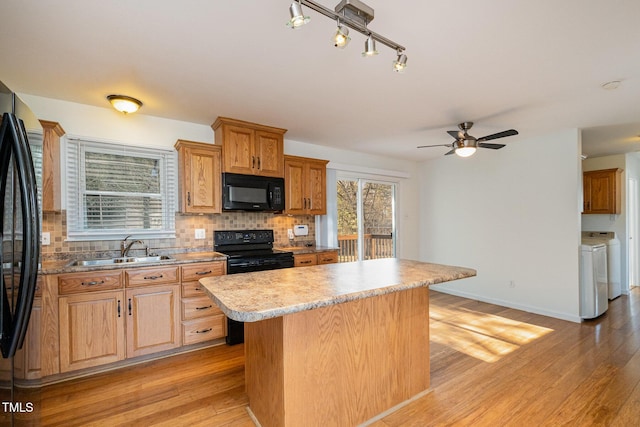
[(251, 297)]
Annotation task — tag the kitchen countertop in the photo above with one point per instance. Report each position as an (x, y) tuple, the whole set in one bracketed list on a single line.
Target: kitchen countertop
[(252, 297), (299, 250), (62, 266)]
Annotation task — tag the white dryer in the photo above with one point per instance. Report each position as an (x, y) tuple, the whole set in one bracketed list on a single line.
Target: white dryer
[(614, 279), (593, 280)]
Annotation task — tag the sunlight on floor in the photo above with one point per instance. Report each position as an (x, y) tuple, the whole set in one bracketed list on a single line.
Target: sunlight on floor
[(484, 336)]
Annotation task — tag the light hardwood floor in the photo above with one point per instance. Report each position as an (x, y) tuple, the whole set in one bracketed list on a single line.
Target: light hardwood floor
[(491, 366)]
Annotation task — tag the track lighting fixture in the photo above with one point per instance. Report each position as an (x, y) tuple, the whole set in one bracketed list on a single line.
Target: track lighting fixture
[(370, 47), (352, 14), (341, 38), (124, 104), (400, 64), (297, 17)]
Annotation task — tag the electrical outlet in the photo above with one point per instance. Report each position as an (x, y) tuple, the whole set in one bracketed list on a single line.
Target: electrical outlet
[(512, 283), (290, 234), (46, 238), (201, 233)]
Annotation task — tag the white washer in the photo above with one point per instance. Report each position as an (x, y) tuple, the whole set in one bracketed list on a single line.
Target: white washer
[(593, 280), (614, 279)]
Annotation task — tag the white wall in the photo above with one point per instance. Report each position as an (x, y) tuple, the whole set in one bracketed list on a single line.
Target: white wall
[(139, 129), (513, 215)]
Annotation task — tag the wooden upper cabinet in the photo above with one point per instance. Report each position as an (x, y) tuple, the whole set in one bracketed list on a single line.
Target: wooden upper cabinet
[(51, 195), (602, 192), (305, 182), (250, 148), (199, 177)]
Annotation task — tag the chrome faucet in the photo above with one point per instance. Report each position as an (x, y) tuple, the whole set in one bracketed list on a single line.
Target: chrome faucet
[(126, 247)]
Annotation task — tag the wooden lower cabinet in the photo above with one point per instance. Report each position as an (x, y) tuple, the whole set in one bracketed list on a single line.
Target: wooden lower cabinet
[(202, 320), (153, 319), (112, 315), (319, 258), (92, 329)]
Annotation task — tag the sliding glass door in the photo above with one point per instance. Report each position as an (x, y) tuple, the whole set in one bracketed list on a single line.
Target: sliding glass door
[(366, 219)]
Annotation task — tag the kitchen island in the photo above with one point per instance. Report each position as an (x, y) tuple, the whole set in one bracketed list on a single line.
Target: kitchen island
[(336, 344)]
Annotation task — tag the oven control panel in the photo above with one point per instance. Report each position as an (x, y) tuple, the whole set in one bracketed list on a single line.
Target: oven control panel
[(239, 237)]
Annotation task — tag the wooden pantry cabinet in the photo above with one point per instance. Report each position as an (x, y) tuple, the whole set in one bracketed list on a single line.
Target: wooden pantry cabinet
[(250, 148), (199, 186), (305, 182), (602, 191)]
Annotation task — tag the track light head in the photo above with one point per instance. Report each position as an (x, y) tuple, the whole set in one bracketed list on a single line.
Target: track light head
[(341, 37), (400, 64), (370, 47), (297, 17)]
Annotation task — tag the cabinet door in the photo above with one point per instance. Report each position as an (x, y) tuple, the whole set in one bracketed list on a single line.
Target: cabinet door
[(91, 329), (295, 198), (238, 150), (601, 192), (201, 181), (28, 358), (269, 151), (316, 181), (153, 319)]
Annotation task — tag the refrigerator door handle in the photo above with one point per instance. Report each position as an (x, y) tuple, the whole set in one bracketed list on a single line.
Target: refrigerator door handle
[(19, 145)]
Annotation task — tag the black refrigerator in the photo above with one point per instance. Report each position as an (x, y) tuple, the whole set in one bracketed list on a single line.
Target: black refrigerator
[(20, 238)]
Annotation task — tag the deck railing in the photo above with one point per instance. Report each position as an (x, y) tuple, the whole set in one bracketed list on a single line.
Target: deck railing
[(375, 246)]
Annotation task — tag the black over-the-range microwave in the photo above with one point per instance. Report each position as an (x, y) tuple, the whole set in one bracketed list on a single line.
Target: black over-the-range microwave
[(252, 193)]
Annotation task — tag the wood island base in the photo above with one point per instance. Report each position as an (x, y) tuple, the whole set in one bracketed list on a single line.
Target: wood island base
[(339, 365)]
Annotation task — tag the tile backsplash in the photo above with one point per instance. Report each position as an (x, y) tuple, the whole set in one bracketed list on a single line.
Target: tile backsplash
[(56, 224)]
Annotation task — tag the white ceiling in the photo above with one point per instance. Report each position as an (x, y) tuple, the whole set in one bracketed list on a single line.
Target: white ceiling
[(535, 66)]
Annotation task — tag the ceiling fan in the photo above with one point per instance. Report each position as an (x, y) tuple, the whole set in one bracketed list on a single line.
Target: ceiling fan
[(465, 145)]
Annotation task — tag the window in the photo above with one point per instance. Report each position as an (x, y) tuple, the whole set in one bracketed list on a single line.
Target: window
[(366, 219), (114, 190)]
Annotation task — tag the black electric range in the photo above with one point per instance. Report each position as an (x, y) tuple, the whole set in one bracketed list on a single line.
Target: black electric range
[(246, 251)]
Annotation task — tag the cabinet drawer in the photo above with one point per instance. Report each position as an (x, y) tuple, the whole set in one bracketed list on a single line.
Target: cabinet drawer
[(193, 308), (305, 260), (151, 276), (193, 289), (84, 282), (204, 329), (327, 257), (194, 272)]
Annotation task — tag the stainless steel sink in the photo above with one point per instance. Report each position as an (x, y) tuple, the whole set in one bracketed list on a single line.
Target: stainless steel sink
[(119, 260)]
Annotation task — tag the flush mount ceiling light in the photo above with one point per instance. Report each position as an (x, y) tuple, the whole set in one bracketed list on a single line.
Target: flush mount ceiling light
[(124, 104), (353, 14), (612, 85)]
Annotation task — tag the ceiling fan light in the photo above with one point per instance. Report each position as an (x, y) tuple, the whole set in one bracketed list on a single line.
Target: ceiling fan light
[(124, 104), (341, 37), (370, 47), (297, 17), (400, 64), (465, 151)]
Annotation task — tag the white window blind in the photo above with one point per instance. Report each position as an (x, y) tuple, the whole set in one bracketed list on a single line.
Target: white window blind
[(116, 190)]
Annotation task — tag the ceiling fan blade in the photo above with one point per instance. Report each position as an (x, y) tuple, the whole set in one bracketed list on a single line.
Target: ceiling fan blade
[(454, 133), (492, 146), (450, 152), (437, 145), (502, 134)]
